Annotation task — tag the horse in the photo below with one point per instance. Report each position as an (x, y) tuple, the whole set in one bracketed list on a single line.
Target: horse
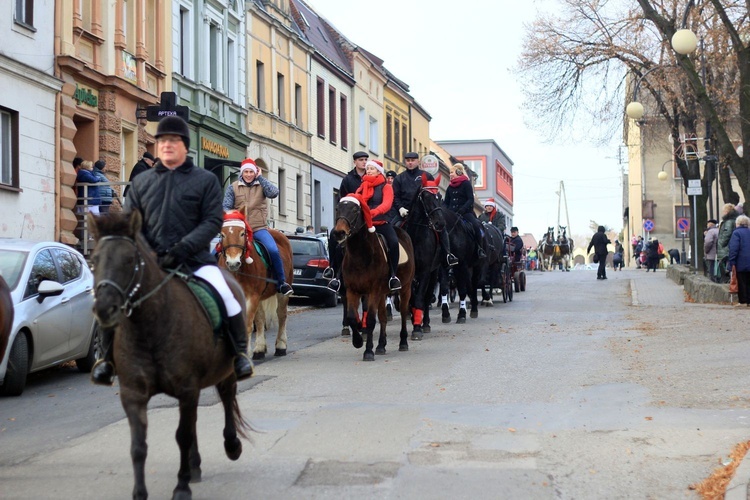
[(6, 316), (164, 342), (492, 275), (423, 224), (467, 272), (546, 250), (565, 245), (238, 254), (366, 271)]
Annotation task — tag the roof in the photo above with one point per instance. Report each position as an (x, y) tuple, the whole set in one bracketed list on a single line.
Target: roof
[(529, 240), (319, 33)]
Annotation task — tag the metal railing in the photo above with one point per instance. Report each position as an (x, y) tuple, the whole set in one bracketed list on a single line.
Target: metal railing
[(84, 206)]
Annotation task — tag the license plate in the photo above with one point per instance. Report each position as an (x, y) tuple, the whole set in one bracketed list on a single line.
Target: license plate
[(297, 272)]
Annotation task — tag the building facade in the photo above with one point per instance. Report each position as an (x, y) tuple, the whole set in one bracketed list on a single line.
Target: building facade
[(28, 150)]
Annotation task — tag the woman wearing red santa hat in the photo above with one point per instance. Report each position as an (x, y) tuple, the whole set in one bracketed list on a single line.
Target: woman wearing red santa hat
[(492, 216), (250, 194), (378, 195)]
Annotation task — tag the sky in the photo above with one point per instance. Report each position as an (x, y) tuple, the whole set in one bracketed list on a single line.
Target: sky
[(458, 61)]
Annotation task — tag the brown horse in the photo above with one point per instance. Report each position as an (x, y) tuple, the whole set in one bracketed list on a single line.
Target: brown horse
[(6, 316), (164, 343), (237, 254), (365, 271)]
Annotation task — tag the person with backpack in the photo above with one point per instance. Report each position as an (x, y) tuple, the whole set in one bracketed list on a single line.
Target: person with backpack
[(106, 193)]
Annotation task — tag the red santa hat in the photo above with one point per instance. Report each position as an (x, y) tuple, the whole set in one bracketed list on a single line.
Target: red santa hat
[(235, 218), (248, 164), (490, 203), (377, 164), (357, 199)]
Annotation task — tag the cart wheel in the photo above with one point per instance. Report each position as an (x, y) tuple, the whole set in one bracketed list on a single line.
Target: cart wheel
[(522, 276), (516, 282)]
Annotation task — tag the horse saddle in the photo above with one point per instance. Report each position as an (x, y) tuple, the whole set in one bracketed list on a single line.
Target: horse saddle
[(402, 256), (263, 252), (210, 300)]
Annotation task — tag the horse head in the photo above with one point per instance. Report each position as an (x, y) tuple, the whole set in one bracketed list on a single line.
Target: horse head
[(236, 238), (427, 199), (118, 262), (352, 213), (550, 238)]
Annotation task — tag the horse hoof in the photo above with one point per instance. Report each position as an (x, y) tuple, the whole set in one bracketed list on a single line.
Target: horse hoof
[(345, 332), (233, 449), (426, 329), (357, 341), (474, 314), (460, 320), (369, 356), (446, 319), (259, 355), (380, 350), (280, 352), (182, 494), (196, 475), (416, 336), (403, 347)]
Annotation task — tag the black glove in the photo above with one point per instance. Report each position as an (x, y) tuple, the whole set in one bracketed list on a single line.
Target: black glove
[(177, 255)]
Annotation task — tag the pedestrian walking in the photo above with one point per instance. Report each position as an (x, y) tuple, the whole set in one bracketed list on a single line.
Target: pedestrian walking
[(599, 243), (728, 217), (739, 258), (654, 254), (710, 239)]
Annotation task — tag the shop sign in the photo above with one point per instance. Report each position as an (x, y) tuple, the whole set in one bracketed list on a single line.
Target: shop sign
[(128, 67), (214, 147), (86, 96)]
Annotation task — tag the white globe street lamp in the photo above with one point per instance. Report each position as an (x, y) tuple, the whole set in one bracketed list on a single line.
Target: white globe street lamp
[(684, 41), (634, 110)]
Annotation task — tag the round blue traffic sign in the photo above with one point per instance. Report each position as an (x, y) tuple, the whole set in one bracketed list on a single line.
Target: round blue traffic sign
[(683, 224), (648, 225)]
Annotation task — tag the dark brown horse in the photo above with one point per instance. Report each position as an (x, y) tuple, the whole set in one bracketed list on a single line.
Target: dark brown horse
[(164, 343), (6, 316), (237, 254), (366, 271)]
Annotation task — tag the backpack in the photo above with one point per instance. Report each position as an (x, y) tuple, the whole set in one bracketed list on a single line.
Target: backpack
[(105, 192)]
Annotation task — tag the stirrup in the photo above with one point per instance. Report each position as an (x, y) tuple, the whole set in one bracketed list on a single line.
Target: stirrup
[(334, 285), (394, 283), (328, 273), (452, 260), (285, 289)]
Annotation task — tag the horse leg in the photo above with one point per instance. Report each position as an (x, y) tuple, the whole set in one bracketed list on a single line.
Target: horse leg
[(351, 306), (404, 297), (476, 279), (282, 306), (418, 309), (227, 390), (255, 311), (369, 326), (444, 285), (186, 439), (461, 317), (382, 319), (135, 409)]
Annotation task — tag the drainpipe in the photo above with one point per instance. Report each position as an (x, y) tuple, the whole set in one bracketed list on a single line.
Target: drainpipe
[(58, 101)]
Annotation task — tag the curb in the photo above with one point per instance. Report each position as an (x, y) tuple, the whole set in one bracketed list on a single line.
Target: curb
[(738, 486)]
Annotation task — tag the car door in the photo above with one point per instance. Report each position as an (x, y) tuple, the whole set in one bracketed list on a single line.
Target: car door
[(49, 321), (77, 281)]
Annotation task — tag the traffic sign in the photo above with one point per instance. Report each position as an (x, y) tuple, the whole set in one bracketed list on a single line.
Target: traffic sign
[(695, 191), (694, 183), (683, 224), (648, 225)]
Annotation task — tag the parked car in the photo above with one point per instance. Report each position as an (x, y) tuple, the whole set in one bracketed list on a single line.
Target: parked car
[(310, 260), (51, 287)]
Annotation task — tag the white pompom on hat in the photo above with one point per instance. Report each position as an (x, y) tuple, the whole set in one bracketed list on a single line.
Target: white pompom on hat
[(490, 203), (377, 164), (248, 164)]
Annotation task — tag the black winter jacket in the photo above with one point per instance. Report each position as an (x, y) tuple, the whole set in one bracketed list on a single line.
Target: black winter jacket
[(460, 199), (179, 206), (350, 183), (599, 241), (405, 187)]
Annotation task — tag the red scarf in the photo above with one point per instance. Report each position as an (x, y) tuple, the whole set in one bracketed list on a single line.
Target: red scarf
[(458, 180), (369, 183)]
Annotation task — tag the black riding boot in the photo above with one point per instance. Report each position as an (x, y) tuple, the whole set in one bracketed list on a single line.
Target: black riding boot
[(243, 367), (103, 372), (445, 243), (394, 283)]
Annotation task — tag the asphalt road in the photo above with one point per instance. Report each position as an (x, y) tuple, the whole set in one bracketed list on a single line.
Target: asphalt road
[(577, 389)]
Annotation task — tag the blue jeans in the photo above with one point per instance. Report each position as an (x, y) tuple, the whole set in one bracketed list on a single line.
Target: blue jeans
[(265, 238)]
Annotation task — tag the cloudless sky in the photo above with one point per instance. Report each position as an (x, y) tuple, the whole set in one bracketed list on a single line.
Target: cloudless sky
[(457, 59)]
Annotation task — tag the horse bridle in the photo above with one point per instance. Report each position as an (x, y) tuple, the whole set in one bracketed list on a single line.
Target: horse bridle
[(128, 292), (353, 226), (428, 213)]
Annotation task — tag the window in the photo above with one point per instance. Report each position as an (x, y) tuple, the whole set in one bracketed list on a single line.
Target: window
[(476, 164), (128, 24), (321, 106), (186, 67), (681, 212), (298, 105), (344, 123), (282, 191), (232, 69), (404, 141), (388, 135), (85, 10), (300, 199), (214, 54), (362, 127), (42, 269), (151, 31), (374, 143), (8, 148), (260, 85), (280, 93), (70, 265), (396, 139), (332, 114), (25, 12)]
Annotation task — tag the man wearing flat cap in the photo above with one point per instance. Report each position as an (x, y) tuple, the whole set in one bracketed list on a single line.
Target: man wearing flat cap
[(710, 239)]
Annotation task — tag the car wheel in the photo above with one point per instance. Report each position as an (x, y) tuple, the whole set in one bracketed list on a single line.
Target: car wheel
[(18, 367), (86, 363), (331, 300)]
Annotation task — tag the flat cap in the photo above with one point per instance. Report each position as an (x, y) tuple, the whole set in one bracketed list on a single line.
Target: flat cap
[(411, 156), (360, 154)]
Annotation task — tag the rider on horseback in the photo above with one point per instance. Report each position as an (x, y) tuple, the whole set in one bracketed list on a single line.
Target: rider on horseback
[(459, 198), (249, 194), (378, 195), (492, 216), (181, 213), (405, 188)]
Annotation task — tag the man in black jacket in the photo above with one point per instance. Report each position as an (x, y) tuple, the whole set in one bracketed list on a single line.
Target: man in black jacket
[(600, 241), (181, 208), (145, 163)]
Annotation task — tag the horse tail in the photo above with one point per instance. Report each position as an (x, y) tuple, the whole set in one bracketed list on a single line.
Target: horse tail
[(269, 306), (244, 428)]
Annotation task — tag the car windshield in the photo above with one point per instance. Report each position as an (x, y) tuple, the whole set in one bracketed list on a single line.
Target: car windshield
[(11, 265), (305, 247)]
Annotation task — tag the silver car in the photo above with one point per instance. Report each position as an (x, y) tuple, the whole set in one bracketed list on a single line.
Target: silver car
[(51, 287)]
